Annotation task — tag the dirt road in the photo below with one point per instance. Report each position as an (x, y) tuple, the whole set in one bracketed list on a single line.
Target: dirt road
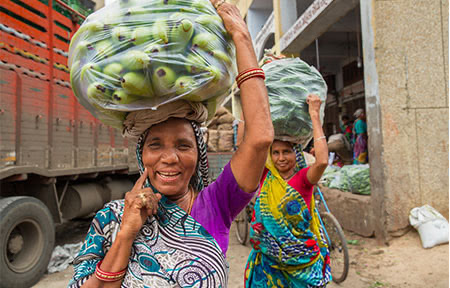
[(404, 264)]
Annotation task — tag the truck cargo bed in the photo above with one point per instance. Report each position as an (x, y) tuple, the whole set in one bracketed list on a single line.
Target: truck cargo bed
[(43, 128)]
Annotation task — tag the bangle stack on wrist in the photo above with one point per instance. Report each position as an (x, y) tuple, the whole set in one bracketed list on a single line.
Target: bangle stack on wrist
[(108, 276), (249, 73)]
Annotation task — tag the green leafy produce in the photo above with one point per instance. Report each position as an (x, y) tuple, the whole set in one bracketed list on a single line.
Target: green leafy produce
[(340, 181), (289, 81), (350, 178), (329, 174), (353, 242), (140, 54), (359, 178)]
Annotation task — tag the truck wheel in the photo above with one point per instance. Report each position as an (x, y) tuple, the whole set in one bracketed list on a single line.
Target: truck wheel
[(26, 241)]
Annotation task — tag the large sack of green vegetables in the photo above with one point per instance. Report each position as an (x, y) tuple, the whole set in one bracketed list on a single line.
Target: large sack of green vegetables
[(339, 180), (349, 178), (358, 178), (289, 81), (329, 174), (140, 54)]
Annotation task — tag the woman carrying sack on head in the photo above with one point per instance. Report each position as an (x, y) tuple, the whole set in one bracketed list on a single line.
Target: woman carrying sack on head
[(163, 233), (289, 248)]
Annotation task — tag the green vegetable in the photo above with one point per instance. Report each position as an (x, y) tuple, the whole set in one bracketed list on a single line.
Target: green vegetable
[(353, 242), (289, 81), (129, 55), (359, 178), (350, 178)]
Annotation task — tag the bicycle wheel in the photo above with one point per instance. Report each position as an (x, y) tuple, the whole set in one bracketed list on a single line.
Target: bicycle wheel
[(242, 226), (338, 247)]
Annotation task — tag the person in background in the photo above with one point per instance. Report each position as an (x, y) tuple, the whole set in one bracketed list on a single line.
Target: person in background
[(346, 128), (360, 151), (287, 239)]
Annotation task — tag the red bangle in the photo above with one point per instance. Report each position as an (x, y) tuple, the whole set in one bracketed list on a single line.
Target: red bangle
[(249, 73), (240, 75), (108, 276), (246, 71), (259, 75)]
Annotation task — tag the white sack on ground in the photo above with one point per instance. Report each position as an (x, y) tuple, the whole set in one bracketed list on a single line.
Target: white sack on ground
[(431, 225)]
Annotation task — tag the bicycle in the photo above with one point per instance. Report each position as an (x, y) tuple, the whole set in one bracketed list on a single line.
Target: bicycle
[(337, 244), (243, 220)]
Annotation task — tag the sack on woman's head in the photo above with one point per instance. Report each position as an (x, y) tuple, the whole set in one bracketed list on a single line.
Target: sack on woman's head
[(289, 81)]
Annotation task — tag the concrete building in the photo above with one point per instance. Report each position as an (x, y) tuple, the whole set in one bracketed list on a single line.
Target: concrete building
[(391, 58)]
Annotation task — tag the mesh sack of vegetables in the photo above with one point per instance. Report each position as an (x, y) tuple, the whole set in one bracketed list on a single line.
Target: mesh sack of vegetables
[(289, 81), (358, 178), (329, 174), (339, 180), (140, 54)]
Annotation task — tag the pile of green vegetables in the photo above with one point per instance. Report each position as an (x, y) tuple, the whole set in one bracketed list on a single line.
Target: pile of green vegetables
[(140, 54), (350, 178), (359, 178), (289, 81), (329, 174)]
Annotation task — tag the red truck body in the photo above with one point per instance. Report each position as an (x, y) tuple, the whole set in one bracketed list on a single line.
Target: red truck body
[(57, 162), (44, 129)]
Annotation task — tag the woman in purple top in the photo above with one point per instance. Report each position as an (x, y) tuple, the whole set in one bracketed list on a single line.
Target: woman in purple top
[(169, 231)]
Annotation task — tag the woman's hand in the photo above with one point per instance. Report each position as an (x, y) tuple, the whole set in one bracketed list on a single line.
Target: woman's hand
[(134, 216), (314, 103), (232, 19), (139, 204)]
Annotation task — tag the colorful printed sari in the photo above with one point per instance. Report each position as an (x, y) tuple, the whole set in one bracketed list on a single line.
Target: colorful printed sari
[(289, 248)]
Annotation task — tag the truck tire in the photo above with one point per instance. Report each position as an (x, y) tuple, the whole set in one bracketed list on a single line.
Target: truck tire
[(26, 241)]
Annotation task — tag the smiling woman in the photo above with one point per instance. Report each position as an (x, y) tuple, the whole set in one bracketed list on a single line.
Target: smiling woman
[(172, 228), (283, 156), (171, 158)]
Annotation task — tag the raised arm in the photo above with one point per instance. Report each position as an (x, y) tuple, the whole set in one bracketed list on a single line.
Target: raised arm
[(248, 162), (320, 142)]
